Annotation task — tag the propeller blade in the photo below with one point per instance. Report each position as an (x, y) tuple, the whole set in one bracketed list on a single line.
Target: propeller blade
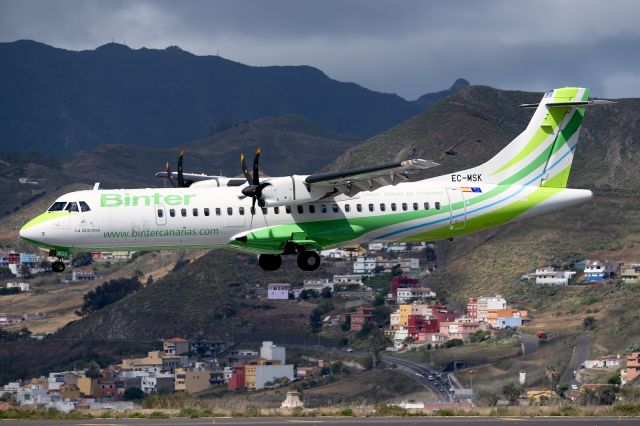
[(245, 170), (180, 175), (168, 170), (256, 168)]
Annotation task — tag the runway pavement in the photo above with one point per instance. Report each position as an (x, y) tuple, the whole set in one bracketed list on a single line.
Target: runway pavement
[(370, 421)]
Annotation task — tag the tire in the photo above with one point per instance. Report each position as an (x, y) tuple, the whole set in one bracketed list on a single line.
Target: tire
[(270, 262), (57, 267), (308, 260)]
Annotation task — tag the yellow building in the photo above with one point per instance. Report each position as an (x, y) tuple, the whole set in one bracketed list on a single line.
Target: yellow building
[(88, 386), (405, 311), (537, 394), (154, 358), (251, 374), (192, 381)]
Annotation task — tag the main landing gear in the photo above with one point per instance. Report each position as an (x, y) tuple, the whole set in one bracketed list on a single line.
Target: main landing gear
[(57, 266), (307, 261)]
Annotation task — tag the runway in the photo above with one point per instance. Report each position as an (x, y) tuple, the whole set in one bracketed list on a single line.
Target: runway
[(366, 421)]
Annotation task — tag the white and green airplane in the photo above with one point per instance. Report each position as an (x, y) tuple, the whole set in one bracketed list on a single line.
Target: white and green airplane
[(301, 215)]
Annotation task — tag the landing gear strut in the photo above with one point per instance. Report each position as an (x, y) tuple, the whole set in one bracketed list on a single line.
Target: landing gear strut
[(57, 266), (308, 260), (270, 262)]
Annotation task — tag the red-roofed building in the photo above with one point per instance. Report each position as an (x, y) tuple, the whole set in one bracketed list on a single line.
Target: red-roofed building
[(403, 282), (472, 308)]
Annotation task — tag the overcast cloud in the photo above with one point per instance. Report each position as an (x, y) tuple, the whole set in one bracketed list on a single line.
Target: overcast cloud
[(404, 47)]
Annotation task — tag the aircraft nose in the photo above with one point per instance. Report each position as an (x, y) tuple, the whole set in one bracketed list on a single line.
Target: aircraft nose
[(32, 230), (28, 232)]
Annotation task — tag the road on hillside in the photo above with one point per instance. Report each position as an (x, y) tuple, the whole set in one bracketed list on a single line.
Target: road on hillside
[(439, 385), (529, 343), (580, 354)]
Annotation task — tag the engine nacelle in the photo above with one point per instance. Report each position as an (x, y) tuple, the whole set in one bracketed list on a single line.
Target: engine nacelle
[(287, 190)]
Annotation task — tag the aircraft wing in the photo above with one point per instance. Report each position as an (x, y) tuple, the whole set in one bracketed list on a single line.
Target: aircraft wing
[(191, 178), (369, 178)]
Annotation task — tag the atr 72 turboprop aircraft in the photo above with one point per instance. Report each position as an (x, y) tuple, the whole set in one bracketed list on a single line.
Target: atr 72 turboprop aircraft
[(301, 215)]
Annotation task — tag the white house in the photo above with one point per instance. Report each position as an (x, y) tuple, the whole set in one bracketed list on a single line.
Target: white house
[(552, 276), (486, 303), (21, 286), (278, 291), (317, 284), (364, 265), (405, 294), (348, 279)]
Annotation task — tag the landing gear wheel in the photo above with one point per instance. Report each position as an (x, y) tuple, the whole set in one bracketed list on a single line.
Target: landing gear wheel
[(270, 262), (57, 266), (308, 260)]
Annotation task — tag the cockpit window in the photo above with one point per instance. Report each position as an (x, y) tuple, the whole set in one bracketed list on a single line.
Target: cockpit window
[(72, 207), (84, 206), (58, 206)]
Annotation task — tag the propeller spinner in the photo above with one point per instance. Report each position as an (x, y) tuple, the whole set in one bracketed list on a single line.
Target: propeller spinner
[(167, 168)]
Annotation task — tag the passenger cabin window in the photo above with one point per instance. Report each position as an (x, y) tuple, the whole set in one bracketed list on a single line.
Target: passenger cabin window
[(58, 206), (194, 212), (393, 207), (415, 206), (230, 211), (287, 209), (72, 207), (264, 210), (300, 209), (218, 211), (426, 206), (241, 211), (404, 207), (335, 208), (437, 205), (172, 213), (183, 212), (312, 208), (84, 207), (359, 207), (276, 210), (160, 213), (206, 211), (323, 208), (347, 207), (382, 207), (371, 208)]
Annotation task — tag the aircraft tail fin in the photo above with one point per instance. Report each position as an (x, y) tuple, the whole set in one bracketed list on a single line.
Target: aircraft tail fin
[(542, 154)]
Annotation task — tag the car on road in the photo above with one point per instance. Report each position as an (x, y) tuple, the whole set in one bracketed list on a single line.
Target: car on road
[(441, 389), (574, 387), (430, 377), (452, 390), (349, 349)]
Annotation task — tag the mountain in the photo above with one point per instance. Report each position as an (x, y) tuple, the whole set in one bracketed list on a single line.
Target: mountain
[(290, 144), (60, 101), (472, 125), (429, 99)]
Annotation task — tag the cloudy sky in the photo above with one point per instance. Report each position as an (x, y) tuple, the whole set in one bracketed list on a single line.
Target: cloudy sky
[(405, 47)]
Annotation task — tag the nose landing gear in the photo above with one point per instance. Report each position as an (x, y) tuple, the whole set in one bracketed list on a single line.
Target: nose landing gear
[(57, 266)]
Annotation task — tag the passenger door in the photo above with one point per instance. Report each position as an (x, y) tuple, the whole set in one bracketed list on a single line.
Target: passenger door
[(457, 209)]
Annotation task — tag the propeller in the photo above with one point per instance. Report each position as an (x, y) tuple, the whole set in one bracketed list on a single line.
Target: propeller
[(255, 188), (167, 168)]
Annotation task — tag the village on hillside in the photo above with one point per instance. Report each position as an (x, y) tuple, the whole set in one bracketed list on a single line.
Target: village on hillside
[(381, 288)]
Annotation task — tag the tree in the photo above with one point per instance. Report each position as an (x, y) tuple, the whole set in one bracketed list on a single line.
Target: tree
[(378, 342), (551, 371), (107, 293), (25, 272), (396, 271), (94, 371), (133, 394), (512, 391), (346, 325), (315, 319), (589, 323), (379, 300), (82, 259), (326, 293)]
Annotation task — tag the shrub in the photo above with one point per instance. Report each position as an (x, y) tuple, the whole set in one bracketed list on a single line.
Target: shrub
[(390, 410), (347, 412)]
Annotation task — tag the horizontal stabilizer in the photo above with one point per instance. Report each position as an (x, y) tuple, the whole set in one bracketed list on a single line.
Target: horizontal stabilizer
[(572, 103)]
